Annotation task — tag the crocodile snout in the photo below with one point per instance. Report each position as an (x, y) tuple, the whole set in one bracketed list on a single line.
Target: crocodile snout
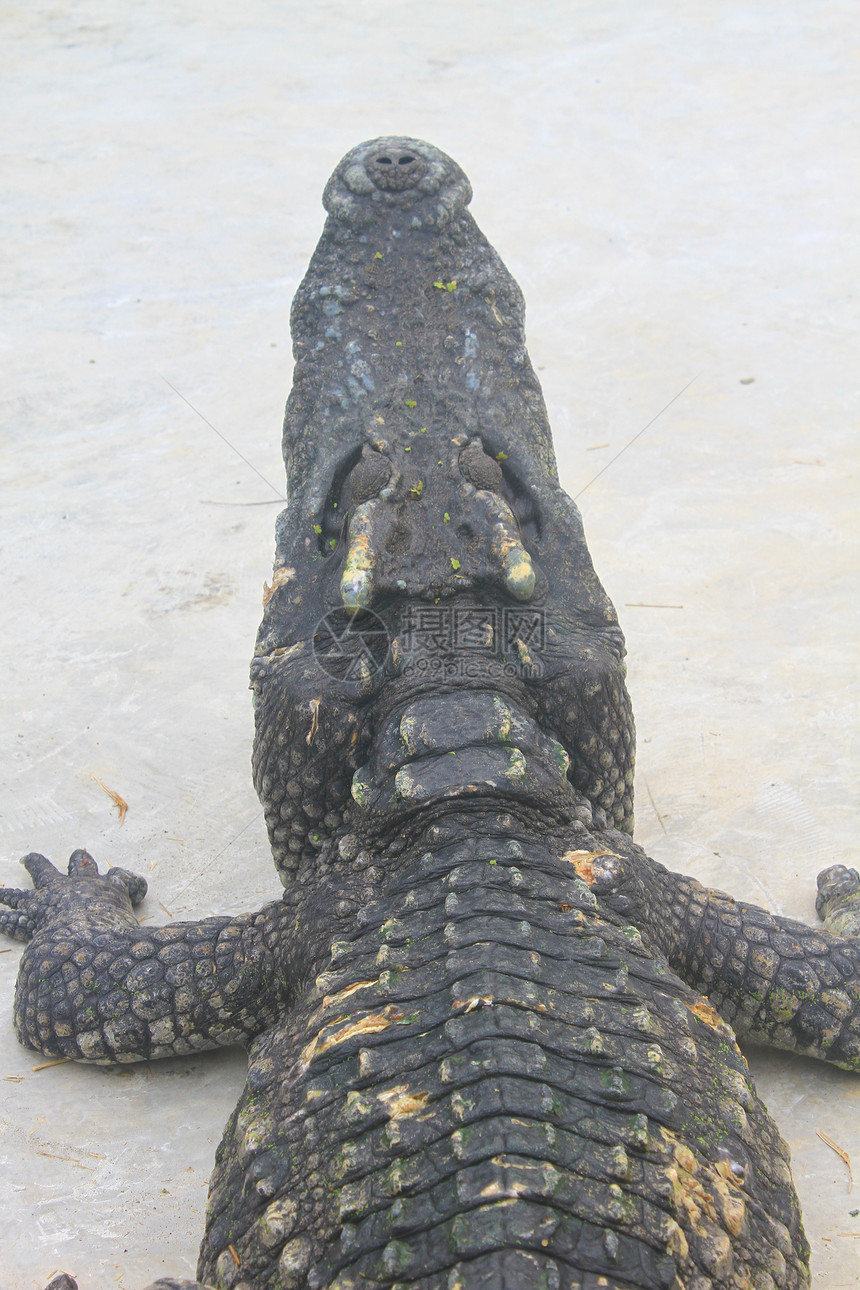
[(395, 174)]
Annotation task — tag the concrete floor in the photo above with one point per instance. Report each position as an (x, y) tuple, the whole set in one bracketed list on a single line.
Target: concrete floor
[(671, 185)]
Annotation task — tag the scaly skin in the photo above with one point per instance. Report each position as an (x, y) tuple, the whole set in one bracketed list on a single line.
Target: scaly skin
[(490, 1040)]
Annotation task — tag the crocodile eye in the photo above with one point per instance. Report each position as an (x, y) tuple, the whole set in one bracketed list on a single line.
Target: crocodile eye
[(367, 479), (359, 478), (479, 468)]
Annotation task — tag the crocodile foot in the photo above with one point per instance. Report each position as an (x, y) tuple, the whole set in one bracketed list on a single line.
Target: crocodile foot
[(55, 895), (838, 900)]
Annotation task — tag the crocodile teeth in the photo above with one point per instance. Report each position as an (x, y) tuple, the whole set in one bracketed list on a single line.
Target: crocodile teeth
[(519, 574), (356, 583)]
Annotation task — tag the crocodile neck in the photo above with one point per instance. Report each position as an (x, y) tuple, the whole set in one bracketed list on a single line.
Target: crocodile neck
[(460, 762), (463, 774)]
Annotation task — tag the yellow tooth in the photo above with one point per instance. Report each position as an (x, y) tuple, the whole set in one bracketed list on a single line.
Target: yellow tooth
[(519, 572), (356, 583), (517, 569)]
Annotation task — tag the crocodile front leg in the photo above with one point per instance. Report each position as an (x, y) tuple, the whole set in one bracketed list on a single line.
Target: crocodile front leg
[(96, 986), (838, 900), (775, 980)]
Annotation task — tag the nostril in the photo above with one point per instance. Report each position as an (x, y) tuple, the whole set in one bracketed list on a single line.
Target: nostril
[(394, 170)]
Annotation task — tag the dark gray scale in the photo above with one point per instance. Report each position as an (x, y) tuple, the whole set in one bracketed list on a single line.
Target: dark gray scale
[(501, 1091)]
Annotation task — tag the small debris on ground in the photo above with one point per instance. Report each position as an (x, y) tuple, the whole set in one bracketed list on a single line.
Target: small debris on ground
[(120, 802), (52, 1155), (841, 1152)]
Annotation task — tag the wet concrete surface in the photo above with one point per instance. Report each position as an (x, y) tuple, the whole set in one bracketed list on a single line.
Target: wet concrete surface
[(672, 189)]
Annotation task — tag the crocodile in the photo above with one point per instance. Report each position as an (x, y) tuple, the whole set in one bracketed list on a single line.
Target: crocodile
[(490, 1042)]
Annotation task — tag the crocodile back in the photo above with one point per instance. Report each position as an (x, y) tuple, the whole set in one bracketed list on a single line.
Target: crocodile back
[(496, 1082)]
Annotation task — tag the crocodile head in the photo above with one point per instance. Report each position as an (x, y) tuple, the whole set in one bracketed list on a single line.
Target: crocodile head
[(429, 567)]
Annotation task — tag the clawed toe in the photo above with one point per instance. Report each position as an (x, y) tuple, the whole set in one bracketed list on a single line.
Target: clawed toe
[(17, 919), (838, 900), (135, 885), (40, 869), (14, 897), (81, 862)]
